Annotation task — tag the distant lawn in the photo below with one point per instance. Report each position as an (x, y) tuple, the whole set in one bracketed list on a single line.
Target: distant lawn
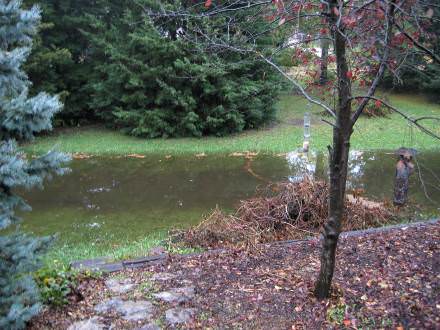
[(283, 136)]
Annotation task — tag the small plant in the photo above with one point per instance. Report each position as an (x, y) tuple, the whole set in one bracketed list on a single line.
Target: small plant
[(336, 314), (146, 289), (181, 249), (369, 323), (204, 316), (55, 284)]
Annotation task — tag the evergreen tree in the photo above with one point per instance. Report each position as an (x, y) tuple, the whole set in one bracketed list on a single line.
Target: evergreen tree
[(109, 63), (152, 86), (20, 117), (61, 61)]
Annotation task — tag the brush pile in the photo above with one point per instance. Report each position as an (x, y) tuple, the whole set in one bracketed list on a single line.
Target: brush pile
[(279, 212)]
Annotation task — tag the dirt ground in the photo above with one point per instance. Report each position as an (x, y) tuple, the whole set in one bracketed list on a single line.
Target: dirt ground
[(388, 279)]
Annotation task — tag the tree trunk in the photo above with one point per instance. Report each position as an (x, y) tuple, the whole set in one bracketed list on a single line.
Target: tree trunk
[(338, 168), (323, 77), (404, 168)]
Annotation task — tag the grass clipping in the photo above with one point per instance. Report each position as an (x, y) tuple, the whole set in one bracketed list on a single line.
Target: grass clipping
[(281, 211)]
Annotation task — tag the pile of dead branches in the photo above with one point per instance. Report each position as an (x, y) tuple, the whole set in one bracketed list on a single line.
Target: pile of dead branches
[(281, 211)]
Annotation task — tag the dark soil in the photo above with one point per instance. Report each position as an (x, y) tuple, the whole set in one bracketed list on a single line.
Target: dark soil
[(385, 279)]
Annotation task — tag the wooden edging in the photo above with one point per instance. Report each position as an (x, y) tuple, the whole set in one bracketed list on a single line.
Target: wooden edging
[(104, 264)]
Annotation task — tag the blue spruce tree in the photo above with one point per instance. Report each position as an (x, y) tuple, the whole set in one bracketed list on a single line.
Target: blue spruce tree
[(20, 117)]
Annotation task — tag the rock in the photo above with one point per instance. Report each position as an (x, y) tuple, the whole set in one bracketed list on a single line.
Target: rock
[(179, 315), (150, 326), (163, 277), (108, 305), (176, 295), (119, 286), (90, 324), (111, 267), (136, 310), (129, 310), (93, 264)]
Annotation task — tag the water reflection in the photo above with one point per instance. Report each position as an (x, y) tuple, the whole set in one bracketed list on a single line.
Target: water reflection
[(301, 165)]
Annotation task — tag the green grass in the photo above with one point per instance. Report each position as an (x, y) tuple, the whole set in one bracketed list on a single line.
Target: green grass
[(286, 135), (85, 250), (64, 254)]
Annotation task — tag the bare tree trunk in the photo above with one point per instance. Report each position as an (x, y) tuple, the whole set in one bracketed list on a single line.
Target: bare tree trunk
[(404, 169), (323, 77), (338, 169)]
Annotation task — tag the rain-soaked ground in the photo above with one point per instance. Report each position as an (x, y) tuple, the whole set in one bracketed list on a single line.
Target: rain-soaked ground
[(119, 199)]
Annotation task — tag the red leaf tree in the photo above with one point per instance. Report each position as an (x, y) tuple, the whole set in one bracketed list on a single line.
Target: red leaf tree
[(367, 38)]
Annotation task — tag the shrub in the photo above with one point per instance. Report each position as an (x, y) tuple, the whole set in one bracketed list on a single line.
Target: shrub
[(55, 285)]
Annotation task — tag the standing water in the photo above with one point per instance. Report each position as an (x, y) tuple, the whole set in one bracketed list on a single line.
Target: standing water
[(111, 200)]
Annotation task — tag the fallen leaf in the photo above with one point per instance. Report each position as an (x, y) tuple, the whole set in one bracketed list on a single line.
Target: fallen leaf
[(136, 156), (347, 322)]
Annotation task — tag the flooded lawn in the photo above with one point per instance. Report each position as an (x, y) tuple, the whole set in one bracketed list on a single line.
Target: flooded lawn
[(112, 200)]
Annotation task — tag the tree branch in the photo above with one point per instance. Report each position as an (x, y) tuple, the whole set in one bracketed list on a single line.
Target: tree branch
[(383, 64), (404, 115), (434, 57), (298, 86)]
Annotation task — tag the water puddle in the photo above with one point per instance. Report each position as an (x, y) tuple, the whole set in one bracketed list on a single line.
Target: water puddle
[(119, 199)]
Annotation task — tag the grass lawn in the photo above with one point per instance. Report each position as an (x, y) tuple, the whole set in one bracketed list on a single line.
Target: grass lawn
[(285, 135)]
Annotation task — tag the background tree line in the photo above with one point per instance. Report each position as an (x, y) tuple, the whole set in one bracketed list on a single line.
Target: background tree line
[(110, 64)]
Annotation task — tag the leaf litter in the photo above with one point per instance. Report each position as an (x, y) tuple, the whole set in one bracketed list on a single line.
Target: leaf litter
[(386, 279)]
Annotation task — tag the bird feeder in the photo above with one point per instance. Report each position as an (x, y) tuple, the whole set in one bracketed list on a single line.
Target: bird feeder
[(307, 133)]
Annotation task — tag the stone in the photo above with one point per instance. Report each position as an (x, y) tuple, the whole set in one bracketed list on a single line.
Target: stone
[(90, 264), (163, 277), (176, 295), (136, 310), (90, 324), (119, 286), (150, 326), (142, 262), (108, 305), (179, 315), (111, 267), (129, 310)]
